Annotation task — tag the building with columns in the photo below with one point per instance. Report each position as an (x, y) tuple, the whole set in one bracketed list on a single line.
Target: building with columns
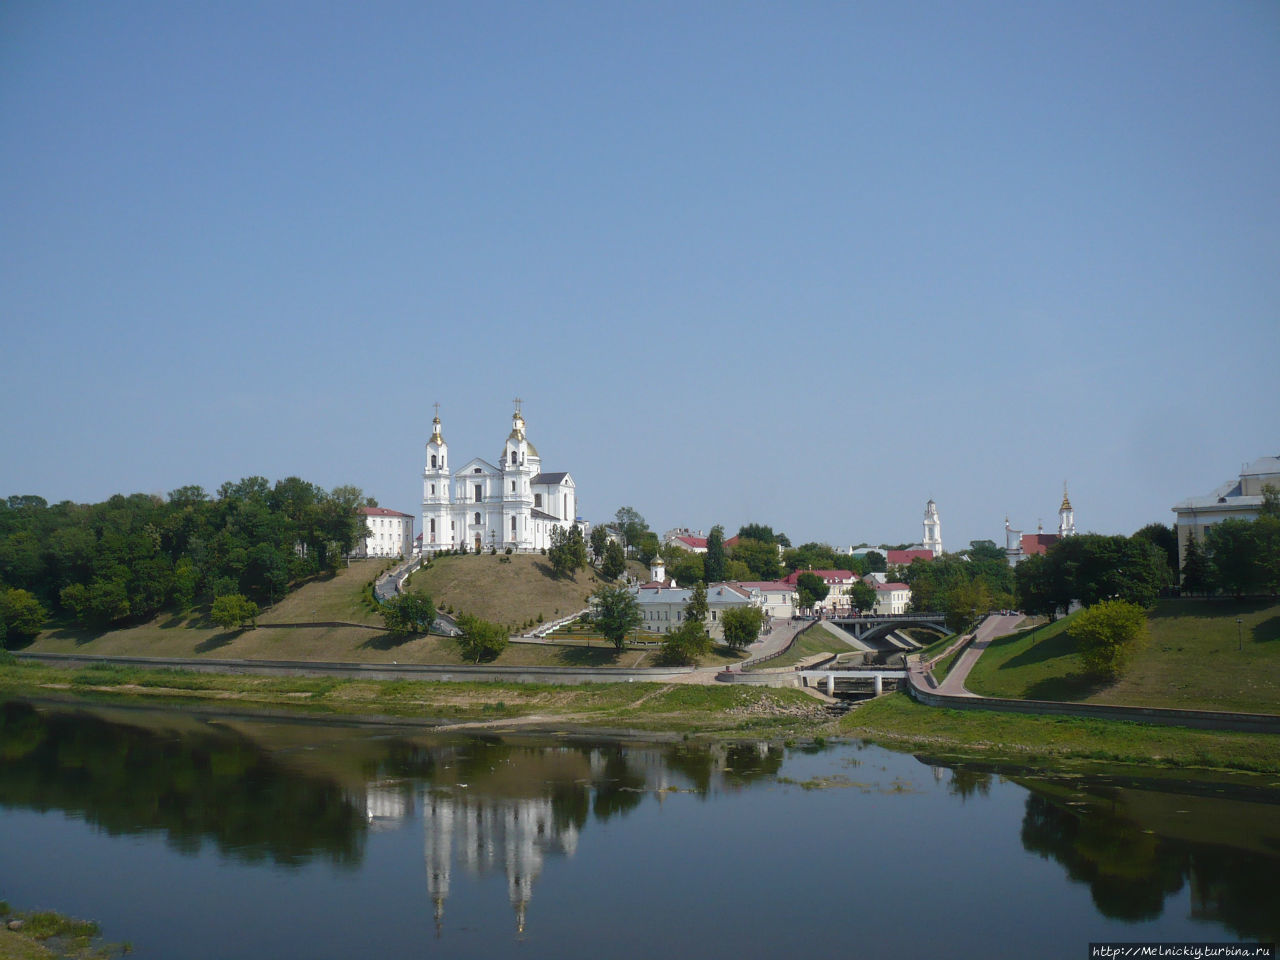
[(512, 504)]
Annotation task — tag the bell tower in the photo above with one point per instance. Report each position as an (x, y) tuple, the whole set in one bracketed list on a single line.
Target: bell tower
[(519, 466), (932, 529), (436, 531)]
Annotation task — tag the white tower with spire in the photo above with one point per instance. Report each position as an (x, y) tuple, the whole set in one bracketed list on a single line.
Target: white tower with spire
[(1066, 516), (439, 527), (932, 529)]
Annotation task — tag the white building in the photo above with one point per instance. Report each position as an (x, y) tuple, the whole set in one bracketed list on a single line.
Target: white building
[(891, 598), (777, 597), (514, 504), (1236, 499), (390, 533), (932, 529), (662, 607)]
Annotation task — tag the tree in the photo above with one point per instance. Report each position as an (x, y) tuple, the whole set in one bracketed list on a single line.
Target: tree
[(408, 613), (696, 609), (1034, 590), (1197, 575), (568, 553), (741, 626), (862, 597), (481, 640), (232, 610), (615, 561), (21, 615), (760, 557), (599, 542), (1162, 537), (630, 525), (735, 570), (713, 561), (810, 590), (1233, 552), (759, 531), (684, 566), (615, 613), (689, 641), (646, 548), (876, 562), (1108, 633)]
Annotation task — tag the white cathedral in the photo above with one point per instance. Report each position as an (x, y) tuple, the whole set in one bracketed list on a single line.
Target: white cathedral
[(514, 505)]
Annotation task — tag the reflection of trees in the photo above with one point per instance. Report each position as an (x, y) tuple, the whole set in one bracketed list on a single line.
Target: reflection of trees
[(208, 785), (966, 782), (1131, 871), (618, 789), (745, 762)]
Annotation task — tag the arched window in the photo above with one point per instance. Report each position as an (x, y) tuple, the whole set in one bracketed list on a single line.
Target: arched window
[(477, 516), (433, 461), (513, 526), (513, 458), (537, 500)]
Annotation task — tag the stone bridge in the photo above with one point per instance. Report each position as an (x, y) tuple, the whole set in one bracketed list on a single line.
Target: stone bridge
[(864, 627)]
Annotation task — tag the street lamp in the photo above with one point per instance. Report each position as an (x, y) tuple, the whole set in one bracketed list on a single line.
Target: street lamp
[(1239, 634)]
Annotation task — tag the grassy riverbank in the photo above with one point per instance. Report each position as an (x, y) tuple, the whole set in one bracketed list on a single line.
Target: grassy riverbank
[(898, 721), (1198, 658), (44, 935), (651, 707)]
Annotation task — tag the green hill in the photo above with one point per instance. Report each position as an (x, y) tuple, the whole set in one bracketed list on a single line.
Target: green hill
[(1197, 659)]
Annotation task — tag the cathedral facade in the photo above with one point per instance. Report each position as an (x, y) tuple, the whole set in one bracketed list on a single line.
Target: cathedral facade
[(479, 506)]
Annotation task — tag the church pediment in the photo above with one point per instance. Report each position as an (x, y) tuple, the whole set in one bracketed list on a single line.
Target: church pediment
[(478, 467)]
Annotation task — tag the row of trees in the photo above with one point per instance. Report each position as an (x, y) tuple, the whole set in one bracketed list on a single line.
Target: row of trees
[(1238, 556), (1089, 568), (130, 557), (616, 614), (960, 586)]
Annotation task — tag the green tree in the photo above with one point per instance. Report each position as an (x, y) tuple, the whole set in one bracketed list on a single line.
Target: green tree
[(568, 553), (685, 567), (688, 642), (1034, 589), (1197, 575), (615, 613), (759, 531), (630, 525), (735, 570), (810, 590), (876, 562), (408, 613), (615, 561), (481, 640), (696, 609), (599, 542), (714, 560), (1107, 635), (233, 610), (1164, 539), (862, 597), (646, 548), (760, 557), (741, 626), (21, 615), (1233, 552)]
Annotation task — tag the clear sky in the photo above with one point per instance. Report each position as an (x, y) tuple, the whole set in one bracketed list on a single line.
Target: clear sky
[(806, 264)]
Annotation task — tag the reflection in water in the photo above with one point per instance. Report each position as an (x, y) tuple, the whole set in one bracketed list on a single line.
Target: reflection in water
[(1135, 848), (200, 784), (290, 794)]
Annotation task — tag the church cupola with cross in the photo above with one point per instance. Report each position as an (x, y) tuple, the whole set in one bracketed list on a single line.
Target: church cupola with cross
[(1066, 515), (435, 490)]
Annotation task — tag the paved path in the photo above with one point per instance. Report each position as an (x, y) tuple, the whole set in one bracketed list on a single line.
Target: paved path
[(953, 685)]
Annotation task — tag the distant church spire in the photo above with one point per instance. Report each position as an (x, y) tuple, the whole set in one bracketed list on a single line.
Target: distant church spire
[(1066, 515), (932, 529)]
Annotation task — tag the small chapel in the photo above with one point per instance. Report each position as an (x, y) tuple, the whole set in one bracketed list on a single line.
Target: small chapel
[(480, 506)]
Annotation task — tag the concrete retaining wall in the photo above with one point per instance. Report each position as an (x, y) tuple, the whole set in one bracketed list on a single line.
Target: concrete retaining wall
[(375, 671)]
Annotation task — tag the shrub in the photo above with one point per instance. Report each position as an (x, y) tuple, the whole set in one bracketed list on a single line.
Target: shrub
[(1108, 633)]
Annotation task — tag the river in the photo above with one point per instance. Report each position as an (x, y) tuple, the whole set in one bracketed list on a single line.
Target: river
[(195, 836)]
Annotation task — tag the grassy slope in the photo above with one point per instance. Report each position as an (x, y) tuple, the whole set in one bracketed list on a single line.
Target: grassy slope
[(1192, 661), (329, 619), (513, 592), (817, 639)]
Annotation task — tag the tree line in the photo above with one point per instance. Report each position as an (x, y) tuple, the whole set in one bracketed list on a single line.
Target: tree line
[(131, 557)]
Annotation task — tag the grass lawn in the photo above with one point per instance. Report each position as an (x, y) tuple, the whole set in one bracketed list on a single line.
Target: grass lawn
[(1191, 661), (512, 590), (816, 639), (685, 708), (945, 664), (898, 721)]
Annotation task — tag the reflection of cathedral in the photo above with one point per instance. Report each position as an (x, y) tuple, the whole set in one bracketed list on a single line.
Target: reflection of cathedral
[(487, 833)]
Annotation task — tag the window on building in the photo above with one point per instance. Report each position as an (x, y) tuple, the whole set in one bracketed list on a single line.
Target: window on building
[(537, 500), (513, 458), (513, 526), (477, 516), (433, 461), (433, 489), (513, 486), (479, 492)]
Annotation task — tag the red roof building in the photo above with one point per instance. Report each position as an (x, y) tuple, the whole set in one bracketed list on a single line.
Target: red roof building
[(904, 557)]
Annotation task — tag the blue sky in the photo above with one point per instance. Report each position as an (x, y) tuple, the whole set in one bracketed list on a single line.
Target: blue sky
[(806, 264)]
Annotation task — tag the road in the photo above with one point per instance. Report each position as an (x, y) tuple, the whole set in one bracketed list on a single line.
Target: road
[(990, 628)]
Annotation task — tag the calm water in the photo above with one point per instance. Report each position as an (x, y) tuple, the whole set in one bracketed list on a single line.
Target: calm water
[(199, 838)]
